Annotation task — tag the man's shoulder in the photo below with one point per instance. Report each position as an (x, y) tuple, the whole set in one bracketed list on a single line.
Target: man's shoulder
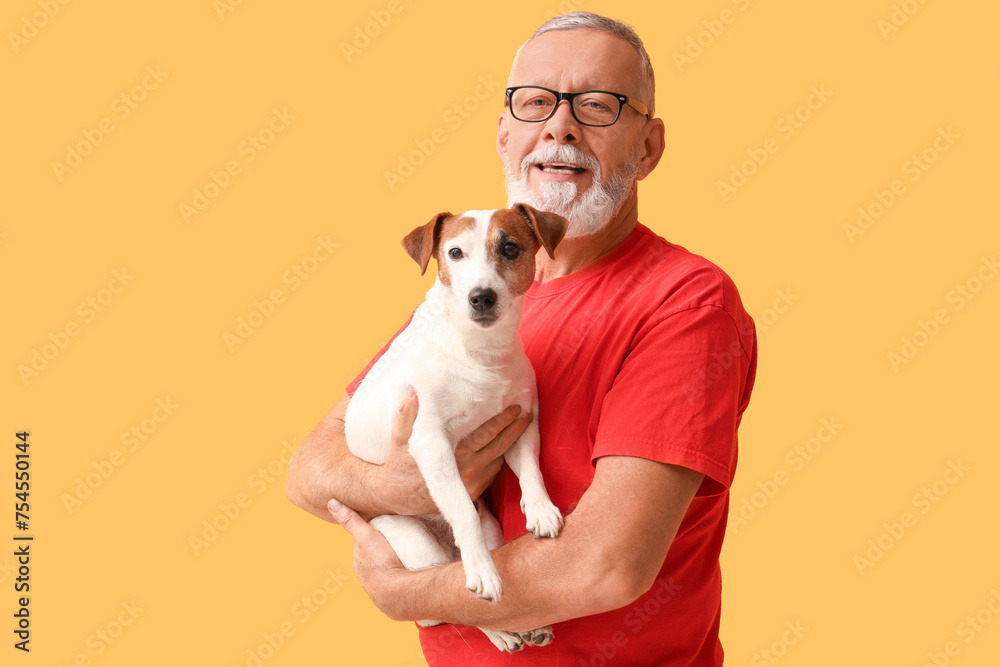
[(683, 279)]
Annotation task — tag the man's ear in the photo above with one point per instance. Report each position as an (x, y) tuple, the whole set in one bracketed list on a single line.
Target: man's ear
[(502, 136), (654, 143), (549, 228), (422, 242)]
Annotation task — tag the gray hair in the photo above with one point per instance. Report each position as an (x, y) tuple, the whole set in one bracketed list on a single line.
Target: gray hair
[(589, 21)]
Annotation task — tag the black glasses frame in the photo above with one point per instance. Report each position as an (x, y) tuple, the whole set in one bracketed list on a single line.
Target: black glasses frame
[(641, 108)]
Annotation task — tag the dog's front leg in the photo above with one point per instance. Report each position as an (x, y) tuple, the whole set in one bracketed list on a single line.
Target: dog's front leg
[(431, 449), (542, 517), (508, 642)]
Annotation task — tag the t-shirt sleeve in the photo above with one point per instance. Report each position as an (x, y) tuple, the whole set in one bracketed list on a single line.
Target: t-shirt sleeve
[(356, 382), (680, 393)]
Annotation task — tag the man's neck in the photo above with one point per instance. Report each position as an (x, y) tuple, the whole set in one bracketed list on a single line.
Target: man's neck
[(573, 254)]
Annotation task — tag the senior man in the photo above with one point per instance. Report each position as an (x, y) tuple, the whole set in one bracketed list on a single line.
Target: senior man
[(645, 360)]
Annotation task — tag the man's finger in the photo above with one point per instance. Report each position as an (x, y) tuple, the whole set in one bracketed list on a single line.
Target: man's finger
[(486, 477), (493, 469), (402, 427), (493, 426), (499, 444), (350, 520)]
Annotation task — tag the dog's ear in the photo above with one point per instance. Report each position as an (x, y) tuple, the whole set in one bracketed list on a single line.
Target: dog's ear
[(549, 228), (422, 242)]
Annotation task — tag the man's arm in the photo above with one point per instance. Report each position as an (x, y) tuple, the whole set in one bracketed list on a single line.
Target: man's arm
[(323, 467), (609, 554)]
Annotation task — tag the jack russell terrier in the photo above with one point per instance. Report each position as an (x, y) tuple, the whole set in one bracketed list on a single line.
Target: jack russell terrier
[(462, 354)]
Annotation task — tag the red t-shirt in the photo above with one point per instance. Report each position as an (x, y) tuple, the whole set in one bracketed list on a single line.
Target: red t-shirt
[(645, 352)]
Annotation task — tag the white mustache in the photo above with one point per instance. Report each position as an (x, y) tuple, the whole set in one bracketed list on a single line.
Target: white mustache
[(564, 153)]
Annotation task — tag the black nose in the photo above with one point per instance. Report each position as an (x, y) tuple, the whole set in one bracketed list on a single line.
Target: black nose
[(482, 300)]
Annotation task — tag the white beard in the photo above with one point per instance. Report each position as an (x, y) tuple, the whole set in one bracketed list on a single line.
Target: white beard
[(588, 213)]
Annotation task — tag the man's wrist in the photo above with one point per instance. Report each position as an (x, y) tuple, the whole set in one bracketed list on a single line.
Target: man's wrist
[(395, 491), (411, 597)]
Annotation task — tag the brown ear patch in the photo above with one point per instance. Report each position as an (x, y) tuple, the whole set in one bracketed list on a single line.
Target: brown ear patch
[(423, 241), (549, 228)]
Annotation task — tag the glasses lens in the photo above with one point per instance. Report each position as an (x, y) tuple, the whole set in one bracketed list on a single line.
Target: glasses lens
[(596, 108), (532, 103)]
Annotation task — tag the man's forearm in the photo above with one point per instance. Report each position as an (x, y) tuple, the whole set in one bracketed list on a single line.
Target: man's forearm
[(323, 468), (544, 581), (609, 553)]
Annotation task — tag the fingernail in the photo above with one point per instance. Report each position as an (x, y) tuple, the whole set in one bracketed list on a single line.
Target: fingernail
[(517, 410), (410, 391), (334, 505)]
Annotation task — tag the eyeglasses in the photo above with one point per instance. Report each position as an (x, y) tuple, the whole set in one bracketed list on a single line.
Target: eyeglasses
[(596, 108)]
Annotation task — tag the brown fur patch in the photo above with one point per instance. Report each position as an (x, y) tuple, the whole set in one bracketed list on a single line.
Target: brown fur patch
[(509, 226), (548, 227), (421, 243), (449, 230)]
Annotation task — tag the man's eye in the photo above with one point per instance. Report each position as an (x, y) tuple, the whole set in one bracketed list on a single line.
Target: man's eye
[(511, 250), (536, 102), (595, 105), (455, 253)]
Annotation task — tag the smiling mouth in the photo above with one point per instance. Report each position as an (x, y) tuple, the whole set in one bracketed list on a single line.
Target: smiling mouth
[(560, 168)]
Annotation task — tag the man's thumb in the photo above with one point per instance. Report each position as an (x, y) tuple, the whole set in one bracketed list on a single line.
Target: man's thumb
[(350, 520), (402, 426)]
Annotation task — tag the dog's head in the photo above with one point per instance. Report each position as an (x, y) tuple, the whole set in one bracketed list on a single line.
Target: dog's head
[(486, 259)]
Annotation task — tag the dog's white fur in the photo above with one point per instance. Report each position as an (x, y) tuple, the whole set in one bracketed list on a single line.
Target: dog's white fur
[(463, 374)]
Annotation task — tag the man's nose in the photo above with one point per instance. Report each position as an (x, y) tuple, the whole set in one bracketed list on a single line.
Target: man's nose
[(482, 299), (562, 126)]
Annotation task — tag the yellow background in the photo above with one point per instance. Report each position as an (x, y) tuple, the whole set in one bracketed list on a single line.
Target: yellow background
[(844, 306)]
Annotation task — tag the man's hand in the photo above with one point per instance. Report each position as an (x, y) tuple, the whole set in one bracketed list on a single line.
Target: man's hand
[(376, 565), (479, 456), (324, 468)]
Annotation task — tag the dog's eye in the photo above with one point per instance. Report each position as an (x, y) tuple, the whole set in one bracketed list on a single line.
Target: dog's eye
[(455, 253), (511, 250)]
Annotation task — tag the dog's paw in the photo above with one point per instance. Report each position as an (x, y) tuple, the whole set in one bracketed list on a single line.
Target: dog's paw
[(539, 637), (543, 519), (508, 642), (485, 582)]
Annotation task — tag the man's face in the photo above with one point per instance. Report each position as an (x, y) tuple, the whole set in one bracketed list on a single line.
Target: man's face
[(536, 155)]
